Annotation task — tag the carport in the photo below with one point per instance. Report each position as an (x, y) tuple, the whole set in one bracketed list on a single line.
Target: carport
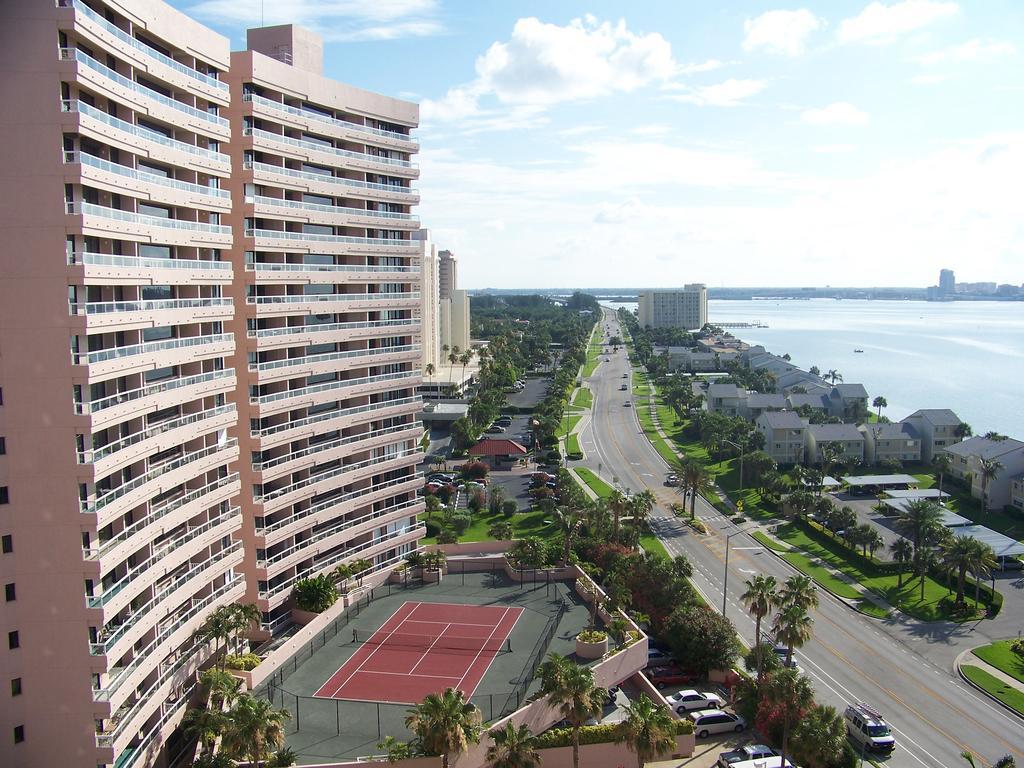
[(878, 483), (918, 493), (1003, 546)]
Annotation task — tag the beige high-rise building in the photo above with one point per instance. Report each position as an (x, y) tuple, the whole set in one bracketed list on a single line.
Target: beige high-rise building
[(454, 320), (448, 279), (207, 355), (430, 305), (685, 308)]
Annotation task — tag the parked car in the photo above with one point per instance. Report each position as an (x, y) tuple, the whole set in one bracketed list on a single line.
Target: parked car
[(691, 700), (662, 677), (658, 657), (440, 477), (711, 721), (495, 430), (672, 481), (745, 753), (505, 421)]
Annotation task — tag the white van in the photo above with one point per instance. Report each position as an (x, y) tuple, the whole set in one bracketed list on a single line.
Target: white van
[(715, 721), (774, 761), (868, 729)]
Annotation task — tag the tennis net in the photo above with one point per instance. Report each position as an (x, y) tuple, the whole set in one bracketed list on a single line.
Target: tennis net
[(433, 642)]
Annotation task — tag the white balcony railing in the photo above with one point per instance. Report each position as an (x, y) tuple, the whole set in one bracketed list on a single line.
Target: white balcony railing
[(327, 357), (397, 189), (328, 415), (73, 54), (277, 234), (314, 479), (141, 176), (138, 45), (390, 326), (90, 209), (304, 298), (142, 262), (338, 387), (110, 401), (73, 105), (279, 202), (308, 114), (311, 146), (194, 343), (147, 305), (94, 455), (330, 445)]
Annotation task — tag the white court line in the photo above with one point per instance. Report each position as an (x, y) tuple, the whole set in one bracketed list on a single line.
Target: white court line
[(495, 629), (427, 652)]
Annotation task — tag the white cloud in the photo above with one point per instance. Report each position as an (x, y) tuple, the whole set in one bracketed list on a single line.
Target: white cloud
[(730, 93), (838, 113), (879, 23), (654, 129), (336, 20), (698, 67), (781, 32), (579, 130), (618, 213), (833, 149), (969, 51)]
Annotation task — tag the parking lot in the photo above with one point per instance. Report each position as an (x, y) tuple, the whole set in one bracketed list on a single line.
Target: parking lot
[(531, 395)]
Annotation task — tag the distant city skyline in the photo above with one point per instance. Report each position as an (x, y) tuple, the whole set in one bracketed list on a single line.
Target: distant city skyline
[(847, 143)]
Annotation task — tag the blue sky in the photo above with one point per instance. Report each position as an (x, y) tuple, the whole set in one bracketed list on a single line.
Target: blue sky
[(597, 144)]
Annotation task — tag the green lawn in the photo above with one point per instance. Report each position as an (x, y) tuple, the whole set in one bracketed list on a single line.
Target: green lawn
[(1007, 694), (523, 524), (865, 606), (583, 398), (595, 483), (805, 564), (1002, 658), (572, 445), (652, 544), (568, 423), (647, 424)]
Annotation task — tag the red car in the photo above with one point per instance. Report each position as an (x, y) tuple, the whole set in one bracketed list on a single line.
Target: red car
[(662, 677)]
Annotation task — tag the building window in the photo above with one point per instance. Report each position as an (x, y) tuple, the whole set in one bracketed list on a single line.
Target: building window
[(6, 544), (3, 445), (19, 734), (16, 686), (13, 641), (9, 593), (4, 496)]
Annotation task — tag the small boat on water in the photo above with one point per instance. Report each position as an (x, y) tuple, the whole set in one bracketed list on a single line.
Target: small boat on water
[(858, 350)]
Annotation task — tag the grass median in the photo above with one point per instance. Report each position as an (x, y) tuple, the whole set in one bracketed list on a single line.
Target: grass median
[(1005, 692), (572, 444), (594, 483), (806, 565), (583, 398), (1000, 656)]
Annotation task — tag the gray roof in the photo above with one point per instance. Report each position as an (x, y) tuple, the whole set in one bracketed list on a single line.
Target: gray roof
[(830, 432), (917, 493), (1002, 545), (851, 390), (781, 420), (898, 479), (724, 390), (894, 431), (939, 417), (760, 400), (814, 401), (811, 387), (984, 448)]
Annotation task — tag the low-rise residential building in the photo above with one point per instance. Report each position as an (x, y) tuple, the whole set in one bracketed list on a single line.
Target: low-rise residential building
[(726, 398), (696, 361), (784, 438), (816, 402), (757, 403), (1004, 458), (937, 428), (1017, 491), (848, 401), (847, 437), (896, 441)]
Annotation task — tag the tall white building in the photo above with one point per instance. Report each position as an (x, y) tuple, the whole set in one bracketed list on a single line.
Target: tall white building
[(430, 304), (674, 308)]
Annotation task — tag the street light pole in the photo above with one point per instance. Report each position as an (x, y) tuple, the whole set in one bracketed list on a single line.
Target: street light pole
[(742, 449)]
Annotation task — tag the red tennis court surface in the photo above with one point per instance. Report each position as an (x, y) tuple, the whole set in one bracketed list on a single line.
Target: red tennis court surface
[(423, 648)]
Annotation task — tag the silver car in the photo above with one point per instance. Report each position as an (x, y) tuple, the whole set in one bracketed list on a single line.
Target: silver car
[(715, 721)]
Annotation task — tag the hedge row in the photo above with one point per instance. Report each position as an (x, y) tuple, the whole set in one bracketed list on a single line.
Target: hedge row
[(594, 734)]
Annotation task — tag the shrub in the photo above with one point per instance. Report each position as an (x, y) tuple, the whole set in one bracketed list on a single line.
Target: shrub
[(1017, 646), (592, 636), (509, 508), (244, 661), (475, 470), (461, 523), (447, 537), (445, 493), (477, 500), (433, 528), (316, 594)]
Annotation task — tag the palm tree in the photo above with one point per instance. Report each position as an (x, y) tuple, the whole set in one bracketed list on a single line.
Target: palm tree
[(218, 628), (359, 568), (553, 671), (568, 523), (792, 628), (641, 506), (221, 687), (699, 482), (990, 469), (760, 598), (205, 725), (464, 358), (920, 518), (792, 694), (254, 729), (649, 730), (429, 369), (453, 358), (902, 552), (578, 699), (819, 737), (924, 560), (831, 453), (445, 724), (513, 748), (958, 555), (963, 430), (833, 376), (879, 403), (799, 590), (941, 464), (617, 503), (983, 562)]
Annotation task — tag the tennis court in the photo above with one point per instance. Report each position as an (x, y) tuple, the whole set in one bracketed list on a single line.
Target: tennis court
[(423, 648)]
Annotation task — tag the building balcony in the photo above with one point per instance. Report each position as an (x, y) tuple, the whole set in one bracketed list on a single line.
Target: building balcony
[(311, 152), (306, 119), (338, 477), (109, 269), (126, 315), (342, 418), (96, 124), (136, 358), (84, 69), (109, 552), (339, 245), (304, 397), (331, 362), (155, 397), (139, 489), (331, 303), (101, 221), (338, 506), (331, 333), (158, 437), (120, 179), (332, 450), (331, 215), (305, 181), (331, 537)]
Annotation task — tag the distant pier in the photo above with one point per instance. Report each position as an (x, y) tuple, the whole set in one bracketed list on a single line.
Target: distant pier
[(755, 324)]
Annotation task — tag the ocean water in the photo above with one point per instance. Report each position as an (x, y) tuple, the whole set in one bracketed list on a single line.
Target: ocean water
[(968, 356)]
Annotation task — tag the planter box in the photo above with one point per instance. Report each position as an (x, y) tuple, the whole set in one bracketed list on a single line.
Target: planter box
[(399, 577), (432, 575), (591, 650)]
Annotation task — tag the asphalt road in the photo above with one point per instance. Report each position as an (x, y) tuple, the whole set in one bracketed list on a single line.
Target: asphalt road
[(903, 668)]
